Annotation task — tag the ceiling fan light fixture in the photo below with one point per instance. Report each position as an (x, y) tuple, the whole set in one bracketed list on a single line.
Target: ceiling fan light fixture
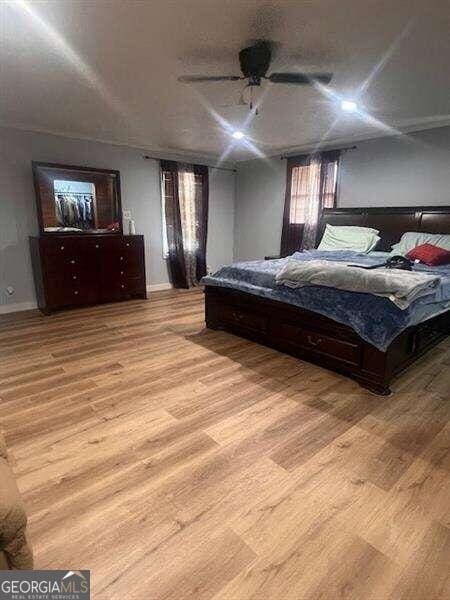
[(349, 106), (255, 63), (238, 135)]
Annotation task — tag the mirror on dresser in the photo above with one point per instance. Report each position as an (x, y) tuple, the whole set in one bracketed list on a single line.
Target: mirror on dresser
[(77, 199), (81, 256)]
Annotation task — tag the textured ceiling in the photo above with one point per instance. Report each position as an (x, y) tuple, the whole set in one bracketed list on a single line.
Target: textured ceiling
[(108, 70)]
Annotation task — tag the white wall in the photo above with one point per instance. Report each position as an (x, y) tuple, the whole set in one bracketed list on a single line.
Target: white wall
[(140, 194), (394, 171), (220, 241), (398, 171), (259, 208)]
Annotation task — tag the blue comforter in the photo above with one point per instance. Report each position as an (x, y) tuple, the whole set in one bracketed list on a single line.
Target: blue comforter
[(376, 319)]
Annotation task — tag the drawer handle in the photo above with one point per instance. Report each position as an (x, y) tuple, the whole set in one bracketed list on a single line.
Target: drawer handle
[(121, 272), (128, 244), (314, 343), (122, 286), (62, 247), (74, 276), (76, 292), (72, 262), (121, 258), (97, 246)]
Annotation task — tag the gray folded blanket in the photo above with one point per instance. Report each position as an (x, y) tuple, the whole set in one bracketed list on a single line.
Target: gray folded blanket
[(401, 287)]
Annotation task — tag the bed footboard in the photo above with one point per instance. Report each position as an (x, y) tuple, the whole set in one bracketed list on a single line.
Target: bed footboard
[(318, 339)]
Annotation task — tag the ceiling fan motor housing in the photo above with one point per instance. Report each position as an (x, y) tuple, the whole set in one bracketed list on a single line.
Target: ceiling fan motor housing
[(255, 62)]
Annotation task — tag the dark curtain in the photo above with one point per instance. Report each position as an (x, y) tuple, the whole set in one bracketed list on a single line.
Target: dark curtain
[(292, 232), (311, 185), (186, 198), (177, 267), (201, 211)]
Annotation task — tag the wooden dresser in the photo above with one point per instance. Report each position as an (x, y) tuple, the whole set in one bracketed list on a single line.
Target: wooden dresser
[(77, 270)]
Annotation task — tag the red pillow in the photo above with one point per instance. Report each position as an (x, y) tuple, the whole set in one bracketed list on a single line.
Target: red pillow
[(430, 255)]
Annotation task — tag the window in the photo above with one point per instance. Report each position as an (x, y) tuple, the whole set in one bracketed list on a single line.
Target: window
[(305, 188), (189, 187), (184, 197), (311, 186), (304, 185)]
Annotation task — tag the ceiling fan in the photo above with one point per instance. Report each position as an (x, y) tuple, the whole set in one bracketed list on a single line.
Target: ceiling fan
[(255, 62)]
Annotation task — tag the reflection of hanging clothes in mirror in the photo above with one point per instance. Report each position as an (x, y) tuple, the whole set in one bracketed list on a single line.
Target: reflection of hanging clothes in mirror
[(73, 208)]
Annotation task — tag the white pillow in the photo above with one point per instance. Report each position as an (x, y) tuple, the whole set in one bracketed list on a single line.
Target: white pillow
[(412, 239), (348, 237)]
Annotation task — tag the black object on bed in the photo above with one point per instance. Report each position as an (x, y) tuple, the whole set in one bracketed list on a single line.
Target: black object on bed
[(395, 262)]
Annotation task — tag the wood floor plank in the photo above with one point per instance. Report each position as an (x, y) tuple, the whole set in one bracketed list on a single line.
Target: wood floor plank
[(284, 571), (428, 573)]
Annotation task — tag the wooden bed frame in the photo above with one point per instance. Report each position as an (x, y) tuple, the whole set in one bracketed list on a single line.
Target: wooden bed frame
[(321, 340)]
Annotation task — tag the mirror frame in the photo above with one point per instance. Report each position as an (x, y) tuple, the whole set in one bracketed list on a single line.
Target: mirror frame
[(39, 167)]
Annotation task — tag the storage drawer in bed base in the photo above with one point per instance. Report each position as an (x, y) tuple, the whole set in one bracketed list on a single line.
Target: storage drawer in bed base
[(320, 340)]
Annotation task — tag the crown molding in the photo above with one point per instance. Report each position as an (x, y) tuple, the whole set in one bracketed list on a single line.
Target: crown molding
[(336, 142), (157, 151), (211, 159)]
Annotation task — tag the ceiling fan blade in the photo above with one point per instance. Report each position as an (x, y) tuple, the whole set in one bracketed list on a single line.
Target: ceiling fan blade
[(301, 78), (199, 78)]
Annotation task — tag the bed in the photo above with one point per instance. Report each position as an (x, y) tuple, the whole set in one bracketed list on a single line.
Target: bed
[(372, 342)]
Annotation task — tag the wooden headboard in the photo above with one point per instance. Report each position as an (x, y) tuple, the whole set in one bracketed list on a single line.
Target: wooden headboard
[(392, 222)]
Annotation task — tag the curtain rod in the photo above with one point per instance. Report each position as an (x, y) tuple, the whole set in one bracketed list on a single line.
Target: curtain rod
[(146, 157), (347, 149)]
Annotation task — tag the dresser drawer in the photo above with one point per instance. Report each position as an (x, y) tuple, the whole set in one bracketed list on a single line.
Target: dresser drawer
[(70, 278), (98, 245), (66, 262), (60, 296), (60, 246), (126, 247), (122, 266), (132, 243), (125, 260), (234, 315), (125, 287), (317, 342), (127, 271)]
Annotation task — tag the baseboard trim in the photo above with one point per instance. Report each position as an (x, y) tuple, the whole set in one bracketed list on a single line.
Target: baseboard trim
[(157, 287), (17, 307), (21, 306)]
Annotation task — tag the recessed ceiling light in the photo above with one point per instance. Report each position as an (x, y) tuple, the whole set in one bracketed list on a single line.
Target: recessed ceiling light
[(238, 135), (349, 105)]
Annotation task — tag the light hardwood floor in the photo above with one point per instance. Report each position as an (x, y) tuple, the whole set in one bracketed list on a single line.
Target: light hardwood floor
[(181, 463)]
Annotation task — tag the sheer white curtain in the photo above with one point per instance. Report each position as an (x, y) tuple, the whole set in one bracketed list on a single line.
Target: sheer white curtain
[(305, 200), (187, 197), (311, 187)]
